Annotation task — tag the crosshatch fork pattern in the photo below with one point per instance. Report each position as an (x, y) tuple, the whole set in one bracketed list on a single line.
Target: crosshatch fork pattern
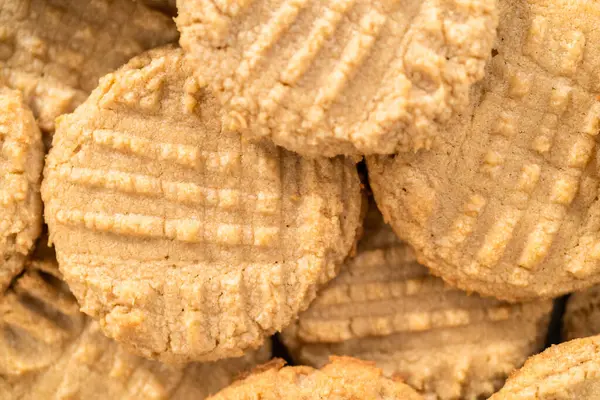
[(39, 319), (515, 216), (186, 241), (339, 77), (52, 350), (387, 308)]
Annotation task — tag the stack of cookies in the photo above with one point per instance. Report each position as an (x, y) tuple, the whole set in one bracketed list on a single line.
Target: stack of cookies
[(385, 195)]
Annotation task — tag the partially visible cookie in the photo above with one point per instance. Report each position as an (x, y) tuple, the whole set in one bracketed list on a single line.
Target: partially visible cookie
[(582, 315), (186, 241), (55, 51), (324, 78), (39, 320), (96, 367), (344, 378), (48, 350), (386, 308), (568, 371), (507, 205), (21, 162)]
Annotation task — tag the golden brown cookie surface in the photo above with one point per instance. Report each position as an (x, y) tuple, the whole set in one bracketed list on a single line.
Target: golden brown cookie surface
[(507, 205), (21, 162), (567, 371), (343, 378), (386, 308), (324, 78), (186, 241), (48, 349), (55, 51)]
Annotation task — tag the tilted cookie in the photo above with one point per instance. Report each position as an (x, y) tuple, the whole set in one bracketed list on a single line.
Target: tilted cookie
[(385, 307), (582, 315), (21, 162), (324, 78), (508, 205), (187, 242), (568, 371), (55, 51), (48, 350), (343, 378)]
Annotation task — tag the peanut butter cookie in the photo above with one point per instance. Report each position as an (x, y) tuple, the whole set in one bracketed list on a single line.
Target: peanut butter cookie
[(39, 319), (55, 51), (186, 241), (344, 378), (564, 372), (324, 78), (508, 204), (50, 350), (21, 162), (385, 307)]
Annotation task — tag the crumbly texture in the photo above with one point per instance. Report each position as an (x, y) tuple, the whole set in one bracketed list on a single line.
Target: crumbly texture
[(582, 315), (385, 307), (568, 371), (508, 204), (21, 162), (186, 241), (324, 78), (50, 350), (344, 378), (55, 51)]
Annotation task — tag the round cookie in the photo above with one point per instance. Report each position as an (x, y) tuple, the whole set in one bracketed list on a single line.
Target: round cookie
[(186, 241), (21, 162), (55, 51), (564, 372), (582, 315), (324, 78), (386, 308), (48, 349), (507, 205), (342, 378)]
